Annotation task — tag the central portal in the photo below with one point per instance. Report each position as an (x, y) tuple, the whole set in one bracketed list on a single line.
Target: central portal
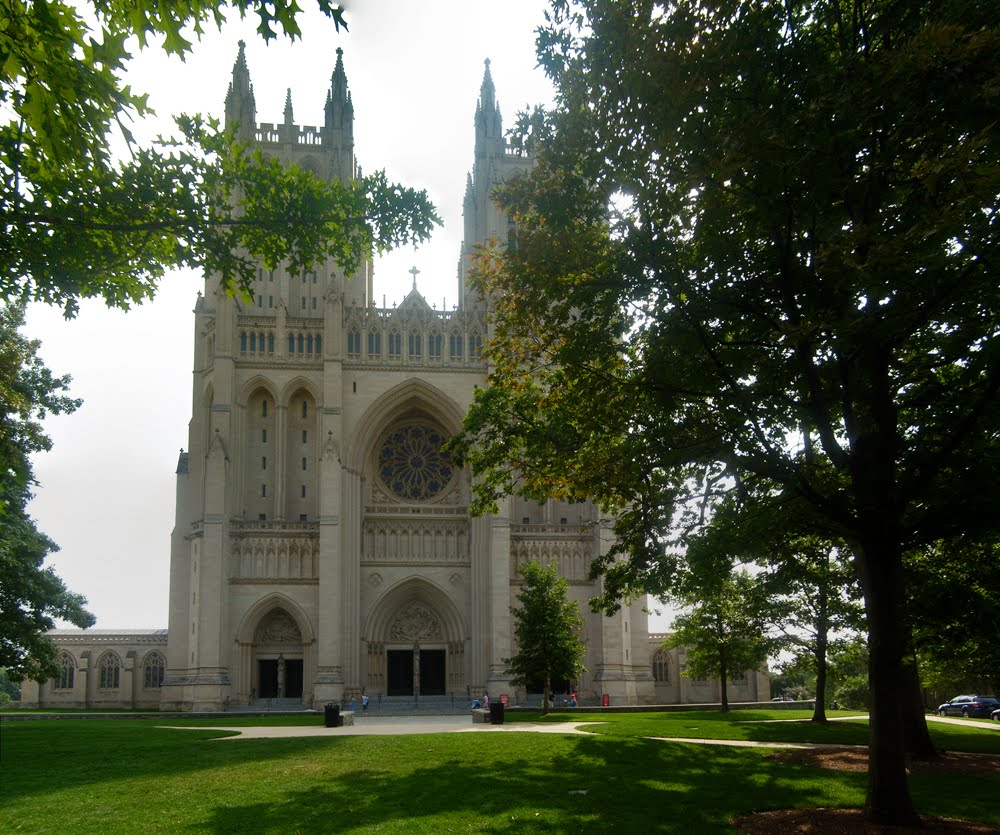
[(279, 678), (411, 671), (400, 672), (432, 672)]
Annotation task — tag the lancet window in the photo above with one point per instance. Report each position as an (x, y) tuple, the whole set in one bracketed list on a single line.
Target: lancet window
[(67, 672), (152, 670), (109, 672)]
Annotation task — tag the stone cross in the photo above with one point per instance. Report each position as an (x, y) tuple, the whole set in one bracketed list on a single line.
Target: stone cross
[(414, 272)]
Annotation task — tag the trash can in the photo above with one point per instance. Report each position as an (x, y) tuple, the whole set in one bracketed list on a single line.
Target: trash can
[(331, 715), (496, 712)]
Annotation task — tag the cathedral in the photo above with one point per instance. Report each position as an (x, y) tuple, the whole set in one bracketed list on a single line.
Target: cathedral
[(323, 544)]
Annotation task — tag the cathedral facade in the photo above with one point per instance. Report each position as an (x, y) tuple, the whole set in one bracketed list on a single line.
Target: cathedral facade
[(323, 544)]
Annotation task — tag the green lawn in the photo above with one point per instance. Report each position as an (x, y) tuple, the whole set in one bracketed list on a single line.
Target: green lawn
[(132, 776)]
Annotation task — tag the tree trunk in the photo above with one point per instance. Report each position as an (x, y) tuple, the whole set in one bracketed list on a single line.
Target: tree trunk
[(915, 733), (822, 630), (879, 563), (545, 696), (723, 675)]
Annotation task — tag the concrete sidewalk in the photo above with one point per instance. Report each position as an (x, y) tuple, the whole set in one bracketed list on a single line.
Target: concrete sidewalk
[(393, 725)]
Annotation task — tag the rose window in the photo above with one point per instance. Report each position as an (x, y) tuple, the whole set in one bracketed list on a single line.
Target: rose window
[(412, 465)]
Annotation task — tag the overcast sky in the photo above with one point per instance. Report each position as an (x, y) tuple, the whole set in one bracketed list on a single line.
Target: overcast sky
[(106, 493)]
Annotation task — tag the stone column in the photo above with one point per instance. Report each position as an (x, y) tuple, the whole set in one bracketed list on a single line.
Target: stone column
[(351, 558), (500, 600), (280, 454), (329, 674)]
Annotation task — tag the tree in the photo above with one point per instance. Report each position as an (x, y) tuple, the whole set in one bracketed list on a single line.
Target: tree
[(821, 605), (78, 222), (545, 627), (955, 612), (722, 630), (31, 595), (849, 665), (766, 234)]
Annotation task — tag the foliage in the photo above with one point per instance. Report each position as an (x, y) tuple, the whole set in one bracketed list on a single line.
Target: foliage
[(766, 235), (31, 596), (545, 628), (722, 630), (955, 610), (794, 678), (80, 223), (849, 674), (815, 588), (9, 690)]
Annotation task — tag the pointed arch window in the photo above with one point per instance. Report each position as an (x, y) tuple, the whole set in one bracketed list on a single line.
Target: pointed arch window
[(67, 672), (415, 344), (243, 341), (455, 344), (475, 346), (309, 344), (374, 343), (661, 667), (153, 666), (395, 344), (434, 345), (354, 342), (291, 343), (108, 672)]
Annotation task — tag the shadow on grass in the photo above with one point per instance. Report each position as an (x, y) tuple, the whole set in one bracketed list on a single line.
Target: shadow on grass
[(125, 776), (547, 784)]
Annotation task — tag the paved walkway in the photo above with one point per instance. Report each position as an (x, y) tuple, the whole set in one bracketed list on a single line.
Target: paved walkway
[(394, 725), (390, 725)]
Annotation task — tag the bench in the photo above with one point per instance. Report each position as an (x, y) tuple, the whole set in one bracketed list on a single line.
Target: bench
[(480, 716)]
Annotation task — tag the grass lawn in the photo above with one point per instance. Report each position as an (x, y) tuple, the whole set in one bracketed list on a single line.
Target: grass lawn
[(132, 776)]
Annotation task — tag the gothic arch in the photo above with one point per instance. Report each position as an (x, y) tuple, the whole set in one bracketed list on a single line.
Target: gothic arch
[(413, 395), (249, 388), (295, 385), (266, 606), (406, 593)]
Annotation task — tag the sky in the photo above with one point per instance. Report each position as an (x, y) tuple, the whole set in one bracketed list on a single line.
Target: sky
[(106, 489)]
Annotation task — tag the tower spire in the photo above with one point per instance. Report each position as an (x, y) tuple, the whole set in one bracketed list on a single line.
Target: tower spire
[(289, 120), (339, 107), (241, 109), (489, 125)]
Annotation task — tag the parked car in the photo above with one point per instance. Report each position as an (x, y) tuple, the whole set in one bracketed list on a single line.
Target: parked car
[(982, 706), (995, 715)]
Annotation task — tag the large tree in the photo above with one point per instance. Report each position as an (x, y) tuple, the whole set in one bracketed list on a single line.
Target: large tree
[(80, 221), (31, 595), (758, 253), (546, 627)]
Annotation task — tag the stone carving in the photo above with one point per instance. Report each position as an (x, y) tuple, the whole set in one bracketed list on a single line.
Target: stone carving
[(281, 629), (374, 579), (572, 557), (416, 540), (415, 623), (331, 450), (218, 446), (276, 556)]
